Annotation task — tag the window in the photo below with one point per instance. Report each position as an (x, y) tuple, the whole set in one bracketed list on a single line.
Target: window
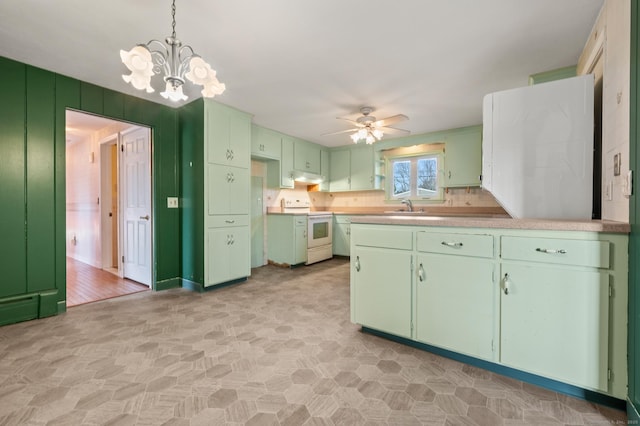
[(415, 177)]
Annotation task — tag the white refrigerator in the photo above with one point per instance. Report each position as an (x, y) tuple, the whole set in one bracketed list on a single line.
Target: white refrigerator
[(537, 149)]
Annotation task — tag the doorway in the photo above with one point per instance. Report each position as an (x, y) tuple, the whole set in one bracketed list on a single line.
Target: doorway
[(108, 208)]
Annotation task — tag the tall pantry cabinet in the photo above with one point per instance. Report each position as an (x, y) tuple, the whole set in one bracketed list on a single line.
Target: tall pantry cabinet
[(216, 160)]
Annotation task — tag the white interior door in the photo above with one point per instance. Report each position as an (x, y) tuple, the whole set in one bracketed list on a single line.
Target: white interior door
[(136, 202)]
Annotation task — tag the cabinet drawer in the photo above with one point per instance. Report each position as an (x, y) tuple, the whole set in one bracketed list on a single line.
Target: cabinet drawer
[(555, 250), (224, 221), (342, 219), (460, 244), (385, 238), (301, 221)]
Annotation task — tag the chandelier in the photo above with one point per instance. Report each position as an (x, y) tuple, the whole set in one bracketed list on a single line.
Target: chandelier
[(175, 61), (367, 134)]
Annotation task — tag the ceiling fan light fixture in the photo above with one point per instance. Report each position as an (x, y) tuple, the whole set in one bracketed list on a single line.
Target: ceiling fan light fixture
[(175, 61)]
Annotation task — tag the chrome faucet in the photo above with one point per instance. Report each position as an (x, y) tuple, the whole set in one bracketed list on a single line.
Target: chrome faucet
[(408, 203)]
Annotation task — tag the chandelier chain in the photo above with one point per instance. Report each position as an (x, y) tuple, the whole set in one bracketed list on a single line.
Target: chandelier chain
[(173, 18)]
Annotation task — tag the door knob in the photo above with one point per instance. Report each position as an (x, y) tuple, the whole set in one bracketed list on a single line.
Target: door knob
[(144, 217)]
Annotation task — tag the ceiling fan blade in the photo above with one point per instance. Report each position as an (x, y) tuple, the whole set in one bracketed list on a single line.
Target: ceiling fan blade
[(390, 120), (393, 130), (355, 123), (340, 132)]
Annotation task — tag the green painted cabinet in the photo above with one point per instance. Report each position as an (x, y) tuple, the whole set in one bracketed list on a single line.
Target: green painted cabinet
[(228, 253), (555, 308), (550, 303), (352, 169), (325, 170), (226, 187), (287, 239), (306, 156), (463, 159), (381, 289), (381, 279), (228, 133), (455, 292), (265, 143), (341, 235), (226, 140)]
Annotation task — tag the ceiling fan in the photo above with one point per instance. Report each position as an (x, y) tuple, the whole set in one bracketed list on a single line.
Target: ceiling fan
[(369, 129)]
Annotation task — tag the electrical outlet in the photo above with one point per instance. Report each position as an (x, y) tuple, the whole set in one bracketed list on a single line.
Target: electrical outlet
[(608, 191), (172, 202)]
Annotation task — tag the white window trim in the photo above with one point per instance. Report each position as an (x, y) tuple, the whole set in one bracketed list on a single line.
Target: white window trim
[(439, 193)]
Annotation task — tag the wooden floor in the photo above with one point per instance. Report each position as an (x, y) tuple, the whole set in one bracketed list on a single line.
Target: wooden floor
[(86, 283)]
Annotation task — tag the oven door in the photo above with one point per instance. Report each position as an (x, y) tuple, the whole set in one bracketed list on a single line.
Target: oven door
[(320, 230)]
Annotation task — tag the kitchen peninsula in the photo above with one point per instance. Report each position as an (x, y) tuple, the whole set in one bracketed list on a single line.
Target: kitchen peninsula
[(541, 300)]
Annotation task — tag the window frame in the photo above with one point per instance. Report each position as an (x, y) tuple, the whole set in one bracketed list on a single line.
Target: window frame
[(413, 191)]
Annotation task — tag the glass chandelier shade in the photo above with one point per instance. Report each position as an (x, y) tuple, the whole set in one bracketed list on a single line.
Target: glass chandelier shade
[(367, 134), (175, 61)]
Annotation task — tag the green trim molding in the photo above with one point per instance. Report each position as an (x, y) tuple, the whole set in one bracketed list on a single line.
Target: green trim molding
[(557, 74)]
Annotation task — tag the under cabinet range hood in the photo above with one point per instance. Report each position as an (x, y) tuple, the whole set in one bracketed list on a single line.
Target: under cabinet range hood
[(537, 149), (306, 177)]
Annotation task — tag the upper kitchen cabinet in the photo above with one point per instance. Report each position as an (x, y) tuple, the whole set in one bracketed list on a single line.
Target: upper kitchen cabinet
[(352, 169), (265, 143), (228, 135), (463, 158), (306, 156)]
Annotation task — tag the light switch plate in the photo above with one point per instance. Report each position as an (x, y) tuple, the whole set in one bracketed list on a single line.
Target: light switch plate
[(172, 202)]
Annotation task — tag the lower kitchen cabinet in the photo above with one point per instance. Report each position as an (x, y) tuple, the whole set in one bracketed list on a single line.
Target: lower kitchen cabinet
[(548, 303), (287, 239), (227, 258), (555, 308), (341, 235), (455, 293), (381, 289), (554, 322)]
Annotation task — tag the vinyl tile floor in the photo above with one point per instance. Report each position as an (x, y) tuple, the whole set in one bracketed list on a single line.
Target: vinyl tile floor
[(277, 349)]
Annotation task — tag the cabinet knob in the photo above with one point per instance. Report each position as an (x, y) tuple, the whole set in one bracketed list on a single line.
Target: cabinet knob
[(357, 263)]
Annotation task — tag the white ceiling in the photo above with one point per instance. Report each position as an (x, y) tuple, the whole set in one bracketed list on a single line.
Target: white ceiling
[(296, 65)]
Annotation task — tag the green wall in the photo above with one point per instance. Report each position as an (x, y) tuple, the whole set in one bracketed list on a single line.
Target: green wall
[(32, 184), (634, 219)]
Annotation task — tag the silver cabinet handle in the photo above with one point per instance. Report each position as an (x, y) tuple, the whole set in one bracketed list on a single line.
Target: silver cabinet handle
[(357, 264), (551, 251), (230, 221), (144, 217), (506, 283), (449, 244), (421, 273)]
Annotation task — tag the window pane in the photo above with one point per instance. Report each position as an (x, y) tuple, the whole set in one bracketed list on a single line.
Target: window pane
[(401, 178), (427, 176)]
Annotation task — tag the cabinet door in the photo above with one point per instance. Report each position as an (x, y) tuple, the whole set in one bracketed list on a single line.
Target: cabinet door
[(306, 156), (286, 163), (265, 143), (239, 140), (300, 251), (340, 170), (227, 190), (455, 303), (227, 135), (381, 281), (362, 168), (324, 169), (341, 237), (463, 160), (228, 254), (554, 322)]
